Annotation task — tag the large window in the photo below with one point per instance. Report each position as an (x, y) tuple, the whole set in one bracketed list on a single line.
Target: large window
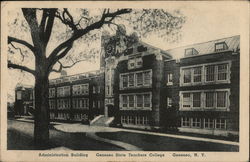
[(63, 103), (218, 99), (139, 120), (136, 79), (140, 100), (63, 91), (204, 123), (205, 74), (80, 89), (80, 103)]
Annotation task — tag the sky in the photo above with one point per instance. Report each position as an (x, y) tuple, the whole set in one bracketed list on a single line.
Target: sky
[(204, 22)]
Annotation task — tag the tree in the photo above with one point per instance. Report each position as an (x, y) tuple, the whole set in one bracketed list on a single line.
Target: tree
[(40, 26)]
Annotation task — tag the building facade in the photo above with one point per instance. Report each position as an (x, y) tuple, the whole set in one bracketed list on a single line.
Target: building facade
[(77, 97), (192, 89), (204, 87)]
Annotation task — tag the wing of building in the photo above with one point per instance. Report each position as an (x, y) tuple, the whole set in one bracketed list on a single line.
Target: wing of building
[(141, 86)]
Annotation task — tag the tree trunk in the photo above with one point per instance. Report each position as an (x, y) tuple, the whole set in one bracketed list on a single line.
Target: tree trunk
[(41, 130)]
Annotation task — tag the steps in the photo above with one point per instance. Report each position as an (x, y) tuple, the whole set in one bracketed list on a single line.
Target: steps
[(101, 120)]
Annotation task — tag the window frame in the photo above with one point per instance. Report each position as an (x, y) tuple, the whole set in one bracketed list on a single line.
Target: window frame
[(204, 73)]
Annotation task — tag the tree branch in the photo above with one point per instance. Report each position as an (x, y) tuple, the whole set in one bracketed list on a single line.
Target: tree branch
[(18, 49), (50, 22), (20, 67), (12, 39), (64, 67), (79, 33)]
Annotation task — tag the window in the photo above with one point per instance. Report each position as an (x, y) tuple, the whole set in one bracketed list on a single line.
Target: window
[(94, 89), (209, 99), (124, 81), (124, 101), (131, 80), (186, 100), (185, 122), (52, 104), (170, 79), (18, 95), (196, 122), (169, 100), (80, 89), (139, 100), (131, 100), (135, 62), (138, 120), (123, 119), (218, 99), (98, 89), (220, 46), (197, 74), (63, 91), (205, 74), (197, 99), (94, 104), (187, 75), (130, 120), (139, 79), (221, 99), (147, 78), (131, 63), (220, 123), (208, 123), (210, 71), (80, 103), (135, 79), (52, 92), (222, 72), (190, 52), (147, 101), (63, 104)]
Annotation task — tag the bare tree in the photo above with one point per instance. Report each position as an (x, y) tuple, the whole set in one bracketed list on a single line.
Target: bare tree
[(40, 29)]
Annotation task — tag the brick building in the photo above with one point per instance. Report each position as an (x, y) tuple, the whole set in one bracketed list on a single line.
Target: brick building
[(141, 86), (203, 86)]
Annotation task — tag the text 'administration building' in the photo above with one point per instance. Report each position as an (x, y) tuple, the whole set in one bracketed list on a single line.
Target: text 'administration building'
[(140, 86)]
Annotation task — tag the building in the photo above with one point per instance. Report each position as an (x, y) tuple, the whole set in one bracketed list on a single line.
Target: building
[(204, 86), (141, 86), (77, 97), (23, 100)]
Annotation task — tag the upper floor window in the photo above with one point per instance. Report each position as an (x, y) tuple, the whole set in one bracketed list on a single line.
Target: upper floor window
[(52, 92), (80, 103), (94, 89), (221, 46), (52, 104), (135, 62), (205, 74), (80, 89), (63, 91), (136, 79), (63, 103), (190, 52), (170, 79)]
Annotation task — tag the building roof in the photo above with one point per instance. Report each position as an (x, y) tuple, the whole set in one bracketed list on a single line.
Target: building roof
[(233, 43)]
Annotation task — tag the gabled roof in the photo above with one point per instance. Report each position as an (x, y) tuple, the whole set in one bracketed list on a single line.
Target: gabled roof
[(233, 43)]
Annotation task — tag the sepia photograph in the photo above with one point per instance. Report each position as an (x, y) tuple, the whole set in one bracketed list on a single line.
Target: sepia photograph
[(135, 80)]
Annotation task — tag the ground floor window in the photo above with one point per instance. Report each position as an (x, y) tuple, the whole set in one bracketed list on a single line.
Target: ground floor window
[(52, 115), (135, 120), (63, 116), (80, 117), (205, 123)]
